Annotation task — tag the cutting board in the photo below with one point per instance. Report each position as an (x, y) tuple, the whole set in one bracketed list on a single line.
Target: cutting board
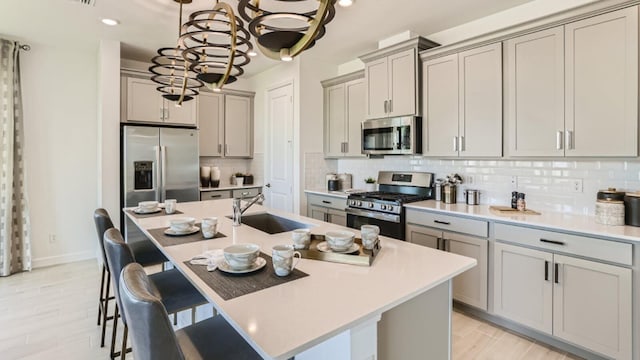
[(507, 210)]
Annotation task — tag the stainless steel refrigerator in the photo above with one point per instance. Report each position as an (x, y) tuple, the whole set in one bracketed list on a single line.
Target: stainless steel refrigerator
[(157, 163)]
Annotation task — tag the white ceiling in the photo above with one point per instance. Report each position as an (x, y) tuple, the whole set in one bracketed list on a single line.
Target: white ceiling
[(147, 25)]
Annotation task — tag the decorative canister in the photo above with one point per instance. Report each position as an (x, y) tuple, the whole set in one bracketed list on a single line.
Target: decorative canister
[(449, 193), (205, 176), (632, 208), (215, 176), (610, 207), (439, 187)]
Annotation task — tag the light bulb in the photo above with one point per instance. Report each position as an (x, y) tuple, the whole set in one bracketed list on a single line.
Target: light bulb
[(285, 55), (110, 22), (252, 53), (345, 3), (217, 89)]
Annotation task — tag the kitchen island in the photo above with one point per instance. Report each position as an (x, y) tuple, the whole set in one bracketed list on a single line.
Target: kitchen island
[(398, 308)]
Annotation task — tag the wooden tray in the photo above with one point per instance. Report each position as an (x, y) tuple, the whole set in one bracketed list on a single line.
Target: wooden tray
[(506, 210), (363, 257)]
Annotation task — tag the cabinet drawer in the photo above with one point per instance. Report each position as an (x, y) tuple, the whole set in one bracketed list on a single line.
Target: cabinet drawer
[(606, 250), (215, 195), (243, 193), (450, 223), (327, 201)]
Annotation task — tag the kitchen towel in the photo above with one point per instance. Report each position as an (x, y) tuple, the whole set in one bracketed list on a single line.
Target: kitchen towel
[(168, 240), (230, 286)]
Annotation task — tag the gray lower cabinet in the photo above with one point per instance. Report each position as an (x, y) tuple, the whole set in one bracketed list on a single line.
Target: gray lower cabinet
[(228, 194), (469, 287), (327, 208), (584, 302)]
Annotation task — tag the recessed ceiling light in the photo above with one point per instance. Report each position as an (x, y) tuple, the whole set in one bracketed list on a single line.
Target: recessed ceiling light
[(110, 22), (345, 3)]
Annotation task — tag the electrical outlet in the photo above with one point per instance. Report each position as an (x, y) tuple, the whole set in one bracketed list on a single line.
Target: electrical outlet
[(471, 179), (514, 182), (52, 238), (576, 185)]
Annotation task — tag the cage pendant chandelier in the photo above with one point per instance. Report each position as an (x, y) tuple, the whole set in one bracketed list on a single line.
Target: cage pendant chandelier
[(216, 45), (283, 34), (171, 71)]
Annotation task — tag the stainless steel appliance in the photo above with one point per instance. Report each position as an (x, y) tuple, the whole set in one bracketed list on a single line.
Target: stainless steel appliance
[(157, 163), (394, 136), (384, 207)]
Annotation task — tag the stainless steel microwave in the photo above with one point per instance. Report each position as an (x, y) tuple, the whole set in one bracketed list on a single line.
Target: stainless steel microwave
[(392, 136)]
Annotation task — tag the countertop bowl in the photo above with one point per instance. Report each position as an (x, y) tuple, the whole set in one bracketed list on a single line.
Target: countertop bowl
[(241, 256), (182, 223), (147, 205), (339, 240)]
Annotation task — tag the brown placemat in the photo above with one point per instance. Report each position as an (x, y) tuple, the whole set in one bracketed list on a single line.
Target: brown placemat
[(168, 240), (230, 286), (159, 213)]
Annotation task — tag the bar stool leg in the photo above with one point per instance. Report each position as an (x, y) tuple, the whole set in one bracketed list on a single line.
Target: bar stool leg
[(101, 299), (105, 312), (123, 351), (114, 333)]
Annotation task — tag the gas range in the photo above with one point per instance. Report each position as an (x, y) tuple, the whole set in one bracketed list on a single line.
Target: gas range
[(384, 207), (388, 202)]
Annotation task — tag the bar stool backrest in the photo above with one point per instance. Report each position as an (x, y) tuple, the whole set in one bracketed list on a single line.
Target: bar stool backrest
[(119, 255), (103, 223)]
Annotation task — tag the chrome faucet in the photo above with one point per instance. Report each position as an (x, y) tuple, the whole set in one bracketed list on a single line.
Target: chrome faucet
[(238, 210)]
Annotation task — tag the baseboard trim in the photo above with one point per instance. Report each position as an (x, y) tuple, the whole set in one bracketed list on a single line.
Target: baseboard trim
[(62, 259)]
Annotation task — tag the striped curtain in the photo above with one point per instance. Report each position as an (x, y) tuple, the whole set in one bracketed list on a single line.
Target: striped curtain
[(15, 241)]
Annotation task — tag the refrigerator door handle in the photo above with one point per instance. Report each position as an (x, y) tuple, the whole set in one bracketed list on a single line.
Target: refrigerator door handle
[(163, 173), (158, 169)]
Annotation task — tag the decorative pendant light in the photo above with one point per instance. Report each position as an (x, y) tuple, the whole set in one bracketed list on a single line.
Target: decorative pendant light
[(283, 35), (216, 45), (171, 71)]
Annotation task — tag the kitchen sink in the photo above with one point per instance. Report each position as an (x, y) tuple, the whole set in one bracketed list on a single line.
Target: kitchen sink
[(272, 224)]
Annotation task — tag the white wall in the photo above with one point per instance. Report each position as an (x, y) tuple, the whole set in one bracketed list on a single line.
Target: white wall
[(61, 133)]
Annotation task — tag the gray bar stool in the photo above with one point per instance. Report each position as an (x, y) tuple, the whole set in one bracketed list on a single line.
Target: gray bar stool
[(152, 335), (145, 253), (175, 291)]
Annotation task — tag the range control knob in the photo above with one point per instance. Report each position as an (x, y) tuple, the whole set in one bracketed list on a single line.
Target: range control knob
[(359, 203), (390, 208), (352, 202), (371, 205), (383, 207)]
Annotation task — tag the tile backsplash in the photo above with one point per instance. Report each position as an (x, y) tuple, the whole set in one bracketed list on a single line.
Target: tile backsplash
[(556, 185), (229, 167)]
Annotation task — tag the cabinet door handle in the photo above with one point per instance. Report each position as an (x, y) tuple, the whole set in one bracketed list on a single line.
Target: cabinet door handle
[(455, 143), (546, 270), (390, 106), (226, 149), (346, 147), (215, 196), (445, 244), (219, 148), (442, 222), (556, 274), (385, 106), (162, 113), (438, 243), (462, 144), (552, 242), (326, 202), (569, 139), (559, 140)]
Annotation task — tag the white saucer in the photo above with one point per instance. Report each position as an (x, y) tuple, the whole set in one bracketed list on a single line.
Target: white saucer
[(257, 265), (324, 247), (143, 212), (172, 232)]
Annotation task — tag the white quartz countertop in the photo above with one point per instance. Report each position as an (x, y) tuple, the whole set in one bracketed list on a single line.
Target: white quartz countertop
[(584, 224), (231, 187), (284, 320)]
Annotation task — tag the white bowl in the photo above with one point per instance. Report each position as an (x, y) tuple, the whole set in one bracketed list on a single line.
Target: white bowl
[(241, 256), (182, 223), (148, 205), (339, 240)]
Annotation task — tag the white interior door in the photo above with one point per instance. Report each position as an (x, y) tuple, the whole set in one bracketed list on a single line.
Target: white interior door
[(280, 148)]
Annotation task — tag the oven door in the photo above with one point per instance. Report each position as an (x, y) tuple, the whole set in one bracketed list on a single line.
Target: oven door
[(390, 225)]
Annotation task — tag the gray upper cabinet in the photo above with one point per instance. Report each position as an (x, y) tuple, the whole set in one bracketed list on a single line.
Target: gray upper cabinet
[(462, 99), (226, 124), (141, 102), (601, 91), (569, 86), (343, 115), (392, 78)]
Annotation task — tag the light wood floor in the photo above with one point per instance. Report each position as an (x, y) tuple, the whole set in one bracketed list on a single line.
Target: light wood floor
[(51, 313)]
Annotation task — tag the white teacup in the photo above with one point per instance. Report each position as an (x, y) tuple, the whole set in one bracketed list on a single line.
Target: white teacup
[(209, 227), (339, 240), (241, 256), (181, 224), (301, 238), (282, 256), (369, 235), (170, 206)]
